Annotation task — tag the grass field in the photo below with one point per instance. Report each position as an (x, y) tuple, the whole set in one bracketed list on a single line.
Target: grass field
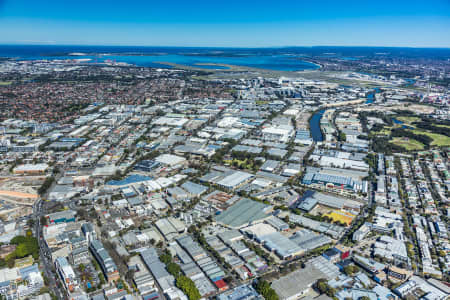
[(445, 126), (341, 216), (438, 139), (408, 120), (408, 144), (385, 131), (5, 82)]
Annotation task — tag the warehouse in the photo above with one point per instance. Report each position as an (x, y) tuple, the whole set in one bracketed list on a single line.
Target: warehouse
[(170, 160), (308, 240), (30, 169), (391, 249), (170, 227), (194, 189), (243, 213), (235, 180), (239, 293), (281, 245), (291, 170), (249, 149), (311, 198), (307, 204), (279, 153), (169, 121), (331, 229), (277, 223), (325, 266), (329, 179), (270, 165), (257, 231), (280, 133), (289, 287)]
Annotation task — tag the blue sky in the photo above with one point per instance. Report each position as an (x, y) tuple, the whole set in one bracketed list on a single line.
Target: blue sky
[(226, 23)]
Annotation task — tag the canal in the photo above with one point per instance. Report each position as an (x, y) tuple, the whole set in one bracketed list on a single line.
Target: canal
[(314, 126)]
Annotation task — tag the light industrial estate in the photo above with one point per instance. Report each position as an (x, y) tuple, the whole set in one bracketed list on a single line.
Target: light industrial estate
[(120, 181)]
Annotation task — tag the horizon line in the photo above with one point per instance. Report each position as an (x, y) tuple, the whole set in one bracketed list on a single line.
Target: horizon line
[(219, 47)]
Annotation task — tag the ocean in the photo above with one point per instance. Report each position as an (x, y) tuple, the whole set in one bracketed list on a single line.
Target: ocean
[(281, 59)]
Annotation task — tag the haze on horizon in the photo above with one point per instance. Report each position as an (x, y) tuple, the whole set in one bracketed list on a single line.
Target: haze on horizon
[(226, 24)]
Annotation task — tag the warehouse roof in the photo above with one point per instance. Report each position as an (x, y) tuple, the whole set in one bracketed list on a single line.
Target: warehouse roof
[(234, 179), (31, 167), (243, 212), (282, 245), (194, 188), (169, 159), (289, 286)]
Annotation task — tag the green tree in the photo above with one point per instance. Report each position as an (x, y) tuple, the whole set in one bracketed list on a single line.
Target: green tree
[(188, 287), (166, 258), (264, 288), (173, 269), (21, 250)]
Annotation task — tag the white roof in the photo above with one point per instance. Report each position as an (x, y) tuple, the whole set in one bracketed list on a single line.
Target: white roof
[(178, 122), (31, 167), (170, 159), (276, 130), (259, 229), (153, 185), (164, 182), (262, 182), (9, 274), (235, 179), (227, 121)]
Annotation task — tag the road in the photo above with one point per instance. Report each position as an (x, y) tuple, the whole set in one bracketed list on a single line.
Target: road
[(45, 254)]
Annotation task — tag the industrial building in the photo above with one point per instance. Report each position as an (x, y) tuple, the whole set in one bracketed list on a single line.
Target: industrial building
[(311, 198), (325, 179), (242, 292), (170, 227), (243, 213), (289, 287), (31, 169)]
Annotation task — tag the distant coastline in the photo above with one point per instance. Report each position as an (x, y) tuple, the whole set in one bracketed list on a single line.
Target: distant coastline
[(290, 59)]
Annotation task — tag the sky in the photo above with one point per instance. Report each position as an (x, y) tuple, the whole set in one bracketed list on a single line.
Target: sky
[(227, 23)]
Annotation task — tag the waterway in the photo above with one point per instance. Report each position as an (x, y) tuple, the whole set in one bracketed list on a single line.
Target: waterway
[(314, 126), (396, 121), (158, 57)]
